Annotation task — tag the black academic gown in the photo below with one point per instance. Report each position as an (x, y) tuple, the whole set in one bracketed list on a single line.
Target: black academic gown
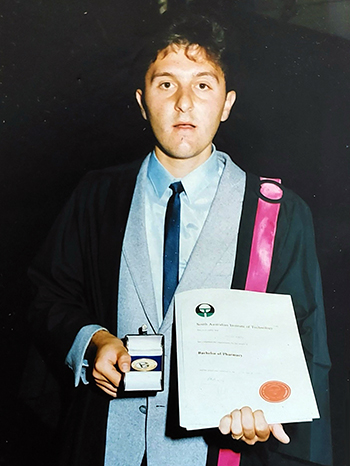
[(76, 278)]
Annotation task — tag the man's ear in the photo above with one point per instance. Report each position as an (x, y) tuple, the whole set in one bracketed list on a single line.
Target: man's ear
[(138, 95), (229, 101)]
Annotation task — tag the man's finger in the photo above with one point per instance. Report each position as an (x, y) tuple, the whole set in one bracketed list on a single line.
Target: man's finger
[(124, 360), (236, 424), (106, 384), (107, 389), (262, 429), (225, 424), (279, 433), (112, 375), (247, 422), (107, 376)]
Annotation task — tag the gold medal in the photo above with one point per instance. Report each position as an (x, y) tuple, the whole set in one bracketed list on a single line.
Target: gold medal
[(144, 364)]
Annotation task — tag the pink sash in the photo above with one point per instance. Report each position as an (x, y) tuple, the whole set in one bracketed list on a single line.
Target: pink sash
[(260, 261)]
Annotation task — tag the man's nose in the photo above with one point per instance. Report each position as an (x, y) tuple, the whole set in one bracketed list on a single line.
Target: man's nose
[(184, 100)]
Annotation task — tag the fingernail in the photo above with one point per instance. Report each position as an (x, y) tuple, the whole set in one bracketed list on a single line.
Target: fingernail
[(125, 367)]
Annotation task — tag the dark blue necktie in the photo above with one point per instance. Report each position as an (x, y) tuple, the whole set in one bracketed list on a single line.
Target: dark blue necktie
[(171, 245)]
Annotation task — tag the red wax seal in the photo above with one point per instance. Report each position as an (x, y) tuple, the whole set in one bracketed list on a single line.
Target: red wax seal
[(274, 391)]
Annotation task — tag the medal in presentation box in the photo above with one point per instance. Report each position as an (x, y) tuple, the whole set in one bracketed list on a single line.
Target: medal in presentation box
[(146, 370)]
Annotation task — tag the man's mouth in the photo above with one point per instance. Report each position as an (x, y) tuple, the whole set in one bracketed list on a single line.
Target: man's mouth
[(184, 125)]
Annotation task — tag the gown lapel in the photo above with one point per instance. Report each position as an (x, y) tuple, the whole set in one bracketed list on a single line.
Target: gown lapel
[(135, 250)]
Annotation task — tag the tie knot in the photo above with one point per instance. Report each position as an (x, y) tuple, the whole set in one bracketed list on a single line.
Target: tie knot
[(177, 187)]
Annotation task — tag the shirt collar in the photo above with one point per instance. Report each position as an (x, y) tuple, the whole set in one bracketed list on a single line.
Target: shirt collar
[(194, 183)]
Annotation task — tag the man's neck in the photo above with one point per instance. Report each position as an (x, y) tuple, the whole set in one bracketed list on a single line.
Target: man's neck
[(180, 167)]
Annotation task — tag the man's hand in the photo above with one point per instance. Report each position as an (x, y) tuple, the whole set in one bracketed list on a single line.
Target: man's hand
[(110, 352), (251, 427)]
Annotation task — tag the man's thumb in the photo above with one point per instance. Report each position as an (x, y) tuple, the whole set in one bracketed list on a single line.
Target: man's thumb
[(279, 433)]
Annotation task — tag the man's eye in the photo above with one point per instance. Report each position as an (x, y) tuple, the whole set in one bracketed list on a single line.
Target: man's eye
[(166, 85), (203, 86)]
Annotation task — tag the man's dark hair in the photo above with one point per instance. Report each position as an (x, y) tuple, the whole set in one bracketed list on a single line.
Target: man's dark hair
[(185, 30)]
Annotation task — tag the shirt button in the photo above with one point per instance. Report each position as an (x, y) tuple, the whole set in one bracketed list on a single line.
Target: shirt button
[(143, 409)]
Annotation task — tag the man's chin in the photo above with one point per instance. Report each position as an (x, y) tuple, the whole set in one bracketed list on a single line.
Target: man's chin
[(186, 151)]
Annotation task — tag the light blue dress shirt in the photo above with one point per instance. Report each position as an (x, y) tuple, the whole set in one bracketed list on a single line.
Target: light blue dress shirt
[(200, 187)]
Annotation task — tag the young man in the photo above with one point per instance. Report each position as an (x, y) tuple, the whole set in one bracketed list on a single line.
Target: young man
[(104, 272)]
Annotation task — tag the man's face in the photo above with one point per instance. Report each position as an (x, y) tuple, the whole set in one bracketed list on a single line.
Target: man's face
[(184, 100)]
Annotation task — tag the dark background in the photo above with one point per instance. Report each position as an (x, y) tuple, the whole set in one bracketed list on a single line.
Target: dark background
[(67, 107)]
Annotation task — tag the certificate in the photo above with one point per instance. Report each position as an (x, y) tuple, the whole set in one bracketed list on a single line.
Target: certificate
[(240, 348)]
